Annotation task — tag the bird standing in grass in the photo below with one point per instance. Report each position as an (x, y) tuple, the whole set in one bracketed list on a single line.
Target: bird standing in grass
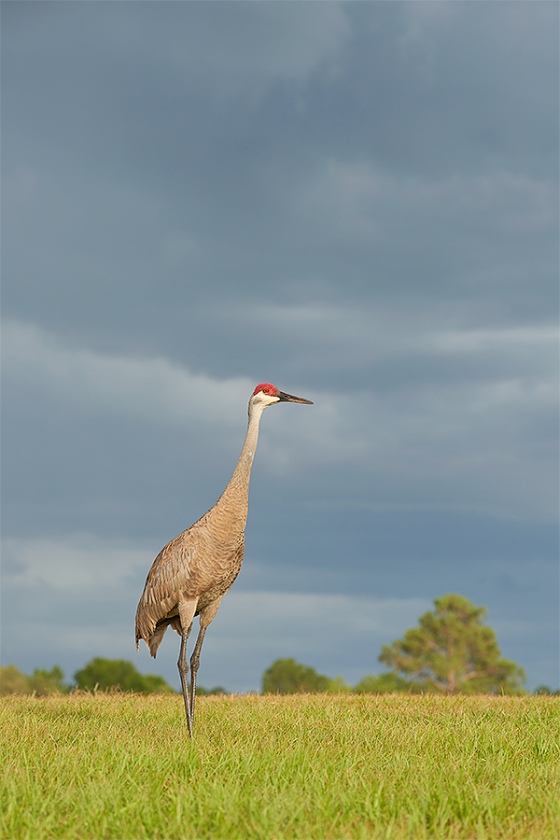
[(190, 576)]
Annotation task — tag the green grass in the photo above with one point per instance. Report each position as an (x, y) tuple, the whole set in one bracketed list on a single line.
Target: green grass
[(280, 768)]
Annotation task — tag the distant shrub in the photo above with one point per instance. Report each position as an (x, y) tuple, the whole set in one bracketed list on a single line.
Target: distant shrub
[(12, 681), (206, 692), (286, 676), (544, 690), (41, 682), (383, 684), (104, 674)]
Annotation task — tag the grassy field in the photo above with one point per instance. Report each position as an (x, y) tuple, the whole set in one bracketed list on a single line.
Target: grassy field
[(280, 768)]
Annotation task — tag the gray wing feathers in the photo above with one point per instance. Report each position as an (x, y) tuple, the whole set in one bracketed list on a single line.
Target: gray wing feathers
[(201, 563), (167, 580)]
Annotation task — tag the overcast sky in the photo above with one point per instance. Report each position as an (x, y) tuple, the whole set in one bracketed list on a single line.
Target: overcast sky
[(355, 201)]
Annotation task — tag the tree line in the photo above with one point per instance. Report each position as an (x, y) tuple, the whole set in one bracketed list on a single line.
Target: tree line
[(451, 651)]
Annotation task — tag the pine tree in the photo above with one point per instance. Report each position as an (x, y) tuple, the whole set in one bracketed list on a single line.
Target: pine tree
[(452, 651)]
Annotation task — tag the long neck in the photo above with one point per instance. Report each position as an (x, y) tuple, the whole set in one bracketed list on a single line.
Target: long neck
[(237, 491)]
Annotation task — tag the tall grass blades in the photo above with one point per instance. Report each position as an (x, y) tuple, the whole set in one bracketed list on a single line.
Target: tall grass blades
[(95, 766)]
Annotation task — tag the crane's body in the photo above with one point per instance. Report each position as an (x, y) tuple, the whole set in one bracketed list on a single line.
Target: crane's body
[(194, 571)]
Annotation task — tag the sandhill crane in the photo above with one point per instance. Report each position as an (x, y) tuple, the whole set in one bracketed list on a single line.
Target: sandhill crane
[(190, 576)]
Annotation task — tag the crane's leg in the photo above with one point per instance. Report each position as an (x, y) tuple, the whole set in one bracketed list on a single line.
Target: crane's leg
[(206, 616), (183, 673), (186, 615), (195, 662)]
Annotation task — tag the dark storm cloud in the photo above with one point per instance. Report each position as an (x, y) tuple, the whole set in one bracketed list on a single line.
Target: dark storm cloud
[(151, 141)]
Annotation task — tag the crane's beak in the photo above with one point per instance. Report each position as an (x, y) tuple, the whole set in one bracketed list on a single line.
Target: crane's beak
[(288, 398)]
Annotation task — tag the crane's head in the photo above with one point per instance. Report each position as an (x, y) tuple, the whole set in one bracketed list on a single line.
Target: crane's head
[(266, 394)]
